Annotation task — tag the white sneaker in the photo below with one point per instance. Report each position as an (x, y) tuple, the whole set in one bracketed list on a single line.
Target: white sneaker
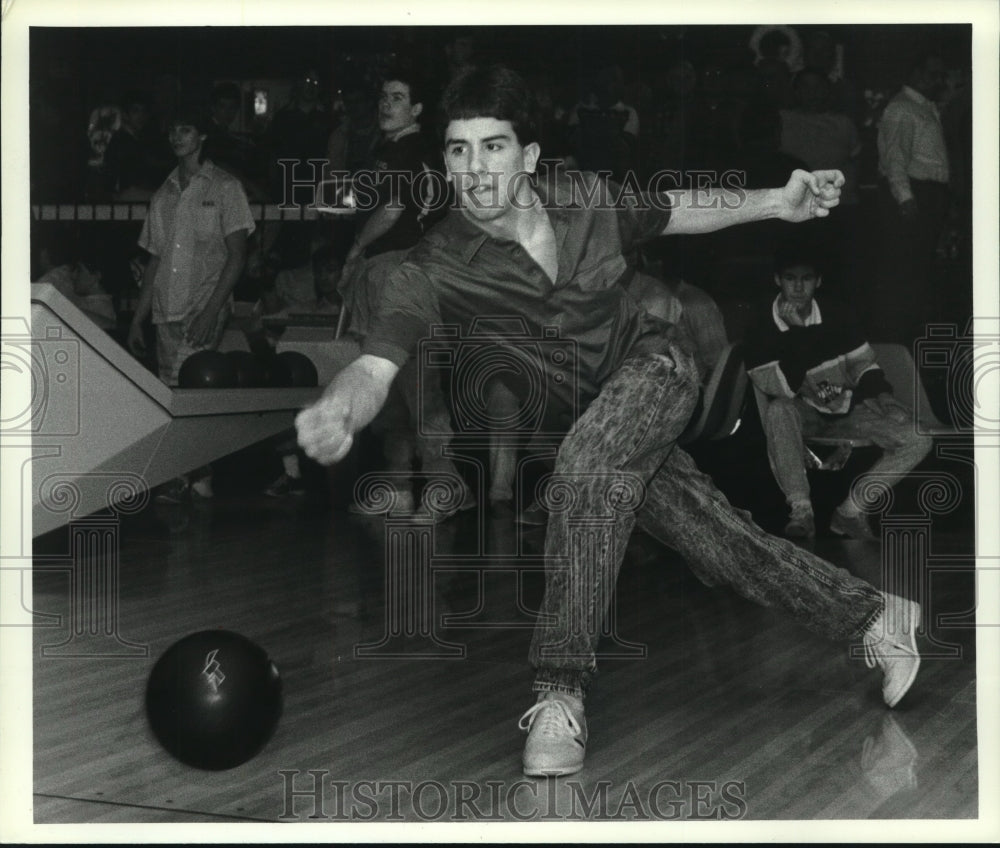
[(891, 644), (203, 488), (557, 736)]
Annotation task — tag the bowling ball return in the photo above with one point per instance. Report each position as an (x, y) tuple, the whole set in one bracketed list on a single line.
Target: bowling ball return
[(99, 430)]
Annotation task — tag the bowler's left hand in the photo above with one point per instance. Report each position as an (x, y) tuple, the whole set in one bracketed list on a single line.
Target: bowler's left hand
[(810, 195)]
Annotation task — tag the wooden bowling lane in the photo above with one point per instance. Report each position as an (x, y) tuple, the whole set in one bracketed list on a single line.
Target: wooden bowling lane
[(730, 697)]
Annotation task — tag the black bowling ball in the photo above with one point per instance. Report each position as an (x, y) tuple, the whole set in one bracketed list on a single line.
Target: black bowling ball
[(301, 367), (214, 699), (249, 371), (207, 369), (277, 374)]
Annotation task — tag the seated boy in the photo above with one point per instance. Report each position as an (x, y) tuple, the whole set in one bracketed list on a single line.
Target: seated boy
[(822, 379)]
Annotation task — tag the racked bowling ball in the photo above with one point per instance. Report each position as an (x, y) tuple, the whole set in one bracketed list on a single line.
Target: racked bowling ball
[(301, 367), (276, 371), (214, 699), (249, 372), (207, 369)]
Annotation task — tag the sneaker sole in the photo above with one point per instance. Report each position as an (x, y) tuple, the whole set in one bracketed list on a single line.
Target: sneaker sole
[(906, 686), (913, 610), (551, 771)]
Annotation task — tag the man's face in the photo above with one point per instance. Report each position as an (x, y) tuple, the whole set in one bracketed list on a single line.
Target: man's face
[(930, 81), (225, 110), (326, 276), (136, 116), (395, 111), (798, 284), (488, 166), (185, 140)]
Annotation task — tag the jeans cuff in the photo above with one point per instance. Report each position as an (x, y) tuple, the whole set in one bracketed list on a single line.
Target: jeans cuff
[(565, 681), (870, 621)]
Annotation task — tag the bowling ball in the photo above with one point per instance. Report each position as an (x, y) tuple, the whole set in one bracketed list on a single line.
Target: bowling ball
[(213, 699), (249, 371), (276, 371), (303, 371), (207, 369)]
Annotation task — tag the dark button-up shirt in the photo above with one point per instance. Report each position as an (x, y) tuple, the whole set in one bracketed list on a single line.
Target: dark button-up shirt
[(461, 276)]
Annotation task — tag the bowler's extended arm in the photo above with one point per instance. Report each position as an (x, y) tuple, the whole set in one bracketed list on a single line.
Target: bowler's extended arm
[(326, 429)]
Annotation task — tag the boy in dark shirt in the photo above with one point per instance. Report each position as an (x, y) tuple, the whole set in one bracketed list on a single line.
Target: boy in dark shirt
[(822, 379), (390, 196)]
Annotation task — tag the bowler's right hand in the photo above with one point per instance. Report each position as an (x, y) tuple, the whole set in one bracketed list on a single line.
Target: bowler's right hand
[(326, 429)]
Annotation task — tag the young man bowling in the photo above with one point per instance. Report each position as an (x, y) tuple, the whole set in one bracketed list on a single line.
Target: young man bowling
[(554, 259)]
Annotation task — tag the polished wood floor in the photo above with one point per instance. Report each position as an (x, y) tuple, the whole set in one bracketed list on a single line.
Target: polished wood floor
[(713, 706)]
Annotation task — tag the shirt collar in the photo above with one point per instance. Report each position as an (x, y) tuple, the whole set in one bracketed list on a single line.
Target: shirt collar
[(405, 131), (814, 317), (916, 96), (465, 238), (204, 172)]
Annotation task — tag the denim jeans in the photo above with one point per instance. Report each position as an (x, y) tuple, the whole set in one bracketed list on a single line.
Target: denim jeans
[(620, 466), (788, 420)]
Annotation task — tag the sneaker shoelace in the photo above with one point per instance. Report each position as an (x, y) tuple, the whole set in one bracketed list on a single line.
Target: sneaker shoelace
[(553, 717)]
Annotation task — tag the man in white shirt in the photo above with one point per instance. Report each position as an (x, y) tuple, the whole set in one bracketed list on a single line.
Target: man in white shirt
[(913, 162)]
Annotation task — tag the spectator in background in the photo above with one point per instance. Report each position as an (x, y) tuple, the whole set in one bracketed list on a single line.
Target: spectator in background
[(914, 165), (352, 143), (777, 43), (460, 52), (820, 136), (135, 162), (821, 378), (760, 155), (823, 137), (604, 128), (61, 262), (299, 133), (744, 255), (386, 231), (196, 234), (103, 123), (235, 153), (822, 50)]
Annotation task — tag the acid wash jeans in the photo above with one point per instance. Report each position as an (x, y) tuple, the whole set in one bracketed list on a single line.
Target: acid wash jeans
[(619, 466)]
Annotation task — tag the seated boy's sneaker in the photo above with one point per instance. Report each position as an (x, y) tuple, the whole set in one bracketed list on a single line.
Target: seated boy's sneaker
[(400, 503), (284, 486), (891, 644), (853, 526), (203, 488), (557, 735), (801, 525), (174, 491)]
